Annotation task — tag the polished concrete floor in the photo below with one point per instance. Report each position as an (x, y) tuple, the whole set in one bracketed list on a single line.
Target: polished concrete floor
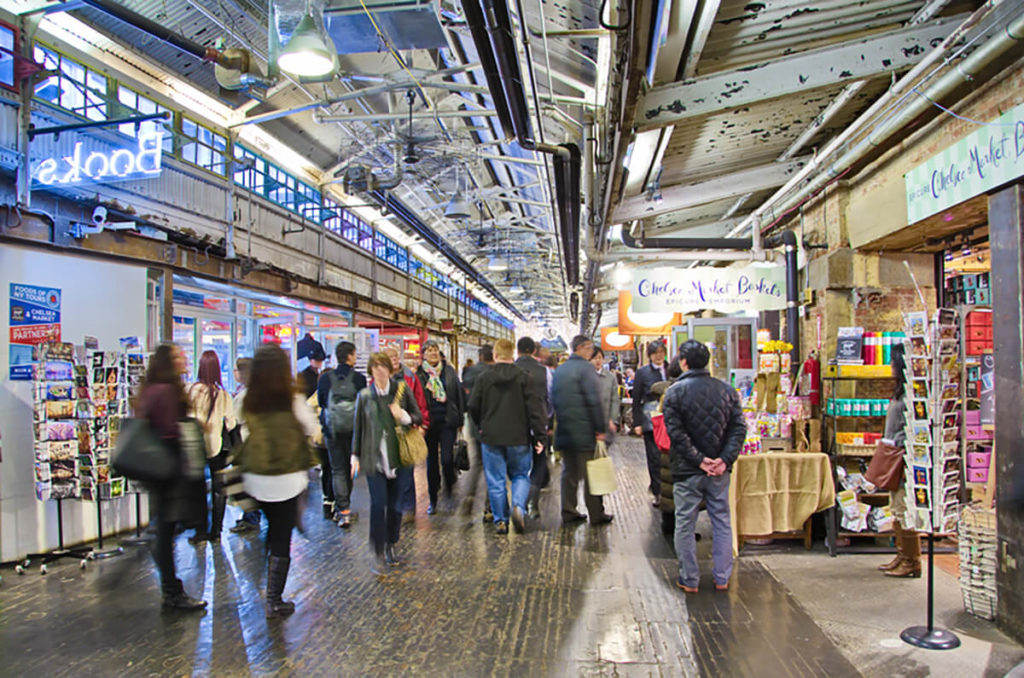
[(557, 601)]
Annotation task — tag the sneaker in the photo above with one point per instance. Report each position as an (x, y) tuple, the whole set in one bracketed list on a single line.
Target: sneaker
[(243, 526), (345, 519), (518, 520), (501, 527), (722, 587), (432, 509), (688, 589), (532, 512), (602, 520), (574, 517), (488, 516), (183, 601)]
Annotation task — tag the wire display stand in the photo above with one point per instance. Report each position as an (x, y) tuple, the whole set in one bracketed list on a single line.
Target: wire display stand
[(99, 553), (138, 539), (83, 554)]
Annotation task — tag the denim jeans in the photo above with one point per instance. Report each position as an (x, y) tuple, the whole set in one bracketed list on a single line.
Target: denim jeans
[(514, 461), (688, 494), (407, 491), (385, 510)]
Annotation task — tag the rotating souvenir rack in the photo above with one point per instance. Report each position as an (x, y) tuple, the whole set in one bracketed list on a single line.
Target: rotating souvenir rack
[(934, 394), (59, 437)]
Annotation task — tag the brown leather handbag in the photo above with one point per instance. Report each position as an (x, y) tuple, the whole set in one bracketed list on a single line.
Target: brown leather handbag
[(886, 468)]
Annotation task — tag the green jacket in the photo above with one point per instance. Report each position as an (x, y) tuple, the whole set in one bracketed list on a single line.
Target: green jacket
[(276, 445), (368, 431)]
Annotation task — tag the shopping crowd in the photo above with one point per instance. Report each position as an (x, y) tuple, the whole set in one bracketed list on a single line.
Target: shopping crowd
[(512, 413)]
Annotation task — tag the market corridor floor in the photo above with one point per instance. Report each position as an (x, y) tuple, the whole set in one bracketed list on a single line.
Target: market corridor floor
[(556, 601)]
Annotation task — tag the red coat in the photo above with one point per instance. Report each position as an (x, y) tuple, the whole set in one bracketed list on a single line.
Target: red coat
[(417, 391)]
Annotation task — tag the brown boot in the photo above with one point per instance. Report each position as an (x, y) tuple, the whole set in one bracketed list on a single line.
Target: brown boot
[(911, 565), (898, 534)]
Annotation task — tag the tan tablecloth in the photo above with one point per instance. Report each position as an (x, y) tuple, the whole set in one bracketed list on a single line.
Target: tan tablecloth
[(778, 492)]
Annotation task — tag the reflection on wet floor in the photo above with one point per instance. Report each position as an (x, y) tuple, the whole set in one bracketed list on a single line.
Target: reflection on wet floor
[(553, 602)]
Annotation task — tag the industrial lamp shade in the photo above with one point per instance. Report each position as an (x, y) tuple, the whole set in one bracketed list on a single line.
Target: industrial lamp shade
[(307, 53), (458, 207), (497, 264)]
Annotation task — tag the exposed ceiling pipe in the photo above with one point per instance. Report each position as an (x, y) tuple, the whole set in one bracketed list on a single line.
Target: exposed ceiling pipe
[(789, 196), (655, 257), (158, 30), (687, 243), (478, 30), (388, 117)]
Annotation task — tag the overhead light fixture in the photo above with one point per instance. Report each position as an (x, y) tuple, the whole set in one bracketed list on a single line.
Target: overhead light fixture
[(458, 207), (516, 289), (497, 264), (308, 54)]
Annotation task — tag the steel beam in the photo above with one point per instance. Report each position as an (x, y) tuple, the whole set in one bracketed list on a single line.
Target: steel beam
[(846, 62), (717, 228), (699, 35), (680, 197)]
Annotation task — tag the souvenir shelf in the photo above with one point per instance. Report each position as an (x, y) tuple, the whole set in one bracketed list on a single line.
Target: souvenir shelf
[(855, 507)]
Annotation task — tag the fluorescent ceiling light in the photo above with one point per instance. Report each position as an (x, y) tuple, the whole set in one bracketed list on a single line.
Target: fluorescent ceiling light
[(307, 53), (497, 264)]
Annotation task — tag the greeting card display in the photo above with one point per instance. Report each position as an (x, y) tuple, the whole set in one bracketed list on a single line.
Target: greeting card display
[(933, 398), (55, 423)]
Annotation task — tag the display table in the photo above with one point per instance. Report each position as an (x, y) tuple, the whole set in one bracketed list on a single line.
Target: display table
[(776, 493)]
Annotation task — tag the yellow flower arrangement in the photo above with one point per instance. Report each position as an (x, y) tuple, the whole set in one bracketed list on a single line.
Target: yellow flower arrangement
[(777, 346)]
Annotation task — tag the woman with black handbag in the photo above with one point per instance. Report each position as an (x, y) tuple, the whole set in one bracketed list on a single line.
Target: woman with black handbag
[(163, 403), (381, 407), (275, 460), (212, 407)]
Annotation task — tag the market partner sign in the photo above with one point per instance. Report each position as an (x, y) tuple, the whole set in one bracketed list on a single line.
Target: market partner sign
[(727, 290), (993, 155), (34, 319)]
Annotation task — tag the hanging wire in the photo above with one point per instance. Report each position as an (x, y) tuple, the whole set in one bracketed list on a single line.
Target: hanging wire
[(962, 117)]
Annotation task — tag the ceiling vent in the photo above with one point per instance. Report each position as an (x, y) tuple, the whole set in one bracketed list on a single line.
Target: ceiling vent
[(409, 24)]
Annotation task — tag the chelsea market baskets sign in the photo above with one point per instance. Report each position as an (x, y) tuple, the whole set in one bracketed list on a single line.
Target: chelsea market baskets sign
[(993, 155), (85, 166), (727, 290)]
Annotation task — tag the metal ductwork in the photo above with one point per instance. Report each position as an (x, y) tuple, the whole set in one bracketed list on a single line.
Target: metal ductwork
[(158, 30), (491, 27), (567, 190)]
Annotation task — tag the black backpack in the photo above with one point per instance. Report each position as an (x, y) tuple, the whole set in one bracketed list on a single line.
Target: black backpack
[(341, 405)]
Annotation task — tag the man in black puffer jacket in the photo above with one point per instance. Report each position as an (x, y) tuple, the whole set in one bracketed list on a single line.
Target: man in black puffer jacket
[(705, 424)]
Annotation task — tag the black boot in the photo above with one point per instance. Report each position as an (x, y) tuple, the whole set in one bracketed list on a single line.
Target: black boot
[(175, 597), (328, 510), (532, 510), (277, 575), (390, 557)]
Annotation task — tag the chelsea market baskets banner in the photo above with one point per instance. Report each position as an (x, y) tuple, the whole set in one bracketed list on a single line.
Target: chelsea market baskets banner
[(993, 155), (727, 290)]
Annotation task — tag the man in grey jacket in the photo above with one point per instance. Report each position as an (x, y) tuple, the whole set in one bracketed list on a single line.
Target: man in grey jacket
[(579, 425), (705, 424)]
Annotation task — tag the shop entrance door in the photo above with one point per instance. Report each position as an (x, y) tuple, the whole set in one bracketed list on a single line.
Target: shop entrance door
[(732, 345)]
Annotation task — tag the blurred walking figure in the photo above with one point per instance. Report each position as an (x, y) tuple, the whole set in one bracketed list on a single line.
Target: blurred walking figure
[(408, 501), (446, 403), (512, 422), (275, 459), (470, 378), (705, 424), (540, 380), (250, 520), (309, 380), (336, 395), (212, 407), (609, 393), (579, 425), (643, 405), (379, 410), (162, 401)]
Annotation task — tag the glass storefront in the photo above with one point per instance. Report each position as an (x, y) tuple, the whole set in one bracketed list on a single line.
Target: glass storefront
[(232, 322)]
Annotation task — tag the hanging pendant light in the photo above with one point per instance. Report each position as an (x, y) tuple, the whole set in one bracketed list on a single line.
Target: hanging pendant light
[(310, 53), (497, 264), (458, 207)]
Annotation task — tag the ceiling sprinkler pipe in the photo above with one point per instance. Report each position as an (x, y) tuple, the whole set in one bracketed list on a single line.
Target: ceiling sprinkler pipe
[(687, 243)]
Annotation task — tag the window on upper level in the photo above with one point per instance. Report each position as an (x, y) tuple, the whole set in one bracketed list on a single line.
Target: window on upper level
[(203, 147), (8, 48), (133, 103), (74, 87)]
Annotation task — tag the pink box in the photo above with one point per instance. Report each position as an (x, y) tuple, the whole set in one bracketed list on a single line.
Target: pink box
[(977, 433), (977, 475), (973, 418), (979, 460)]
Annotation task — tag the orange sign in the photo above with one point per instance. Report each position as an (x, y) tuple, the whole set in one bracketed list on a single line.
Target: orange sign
[(644, 324), (611, 340)]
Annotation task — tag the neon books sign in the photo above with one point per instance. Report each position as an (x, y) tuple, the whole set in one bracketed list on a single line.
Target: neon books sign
[(81, 167)]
